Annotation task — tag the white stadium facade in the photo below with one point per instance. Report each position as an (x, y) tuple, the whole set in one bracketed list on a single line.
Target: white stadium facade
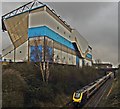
[(39, 34)]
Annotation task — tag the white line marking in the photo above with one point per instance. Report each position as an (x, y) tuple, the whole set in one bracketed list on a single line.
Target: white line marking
[(110, 91)]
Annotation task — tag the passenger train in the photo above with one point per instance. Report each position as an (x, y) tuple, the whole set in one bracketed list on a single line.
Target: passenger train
[(81, 96)]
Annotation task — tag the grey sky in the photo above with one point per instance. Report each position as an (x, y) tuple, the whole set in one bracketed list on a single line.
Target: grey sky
[(96, 21)]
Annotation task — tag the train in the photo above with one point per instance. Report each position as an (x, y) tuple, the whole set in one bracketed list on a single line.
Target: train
[(80, 97)]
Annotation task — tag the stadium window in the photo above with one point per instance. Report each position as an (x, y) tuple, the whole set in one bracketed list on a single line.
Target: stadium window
[(57, 56), (10, 60), (57, 27)]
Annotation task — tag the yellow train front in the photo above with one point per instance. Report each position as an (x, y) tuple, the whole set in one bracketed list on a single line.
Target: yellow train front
[(79, 98)]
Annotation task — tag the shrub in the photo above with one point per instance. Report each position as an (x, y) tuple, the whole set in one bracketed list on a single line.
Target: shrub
[(24, 80), (13, 88)]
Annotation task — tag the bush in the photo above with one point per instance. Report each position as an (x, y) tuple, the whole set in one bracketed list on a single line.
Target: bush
[(25, 80), (13, 89), (70, 78)]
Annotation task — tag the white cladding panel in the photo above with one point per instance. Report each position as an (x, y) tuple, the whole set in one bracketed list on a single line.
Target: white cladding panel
[(9, 56), (64, 57), (57, 56), (80, 62), (37, 19), (74, 60), (70, 58), (43, 18), (7, 50), (22, 52), (54, 24), (81, 41), (87, 62)]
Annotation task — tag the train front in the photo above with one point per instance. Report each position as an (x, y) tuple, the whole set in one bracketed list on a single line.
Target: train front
[(77, 98)]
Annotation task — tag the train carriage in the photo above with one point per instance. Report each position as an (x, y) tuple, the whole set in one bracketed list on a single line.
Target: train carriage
[(81, 96)]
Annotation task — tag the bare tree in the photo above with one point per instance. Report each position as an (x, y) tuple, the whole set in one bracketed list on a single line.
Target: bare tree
[(48, 55), (97, 61), (38, 58)]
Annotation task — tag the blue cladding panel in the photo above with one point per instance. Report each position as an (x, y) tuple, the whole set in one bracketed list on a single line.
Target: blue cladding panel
[(37, 31), (89, 56), (34, 57), (45, 31), (83, 62), (50, 50), (77, 60), (49, 54)]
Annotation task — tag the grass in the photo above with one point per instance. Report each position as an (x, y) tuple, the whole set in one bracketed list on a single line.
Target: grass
[(23, 86)]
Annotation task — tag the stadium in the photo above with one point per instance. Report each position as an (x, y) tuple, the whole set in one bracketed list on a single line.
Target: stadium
[(39, 34)]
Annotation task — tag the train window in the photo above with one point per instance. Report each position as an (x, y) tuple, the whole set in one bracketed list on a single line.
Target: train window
[(92, 89), (77, 95), (91, 84)]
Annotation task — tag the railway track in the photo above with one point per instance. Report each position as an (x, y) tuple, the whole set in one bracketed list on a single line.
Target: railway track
[(96, 98)]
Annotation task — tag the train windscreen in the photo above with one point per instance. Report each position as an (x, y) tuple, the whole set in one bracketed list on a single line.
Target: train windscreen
[(77, 95)]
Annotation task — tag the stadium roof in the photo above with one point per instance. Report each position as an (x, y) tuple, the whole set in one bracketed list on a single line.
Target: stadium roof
[(29, 7)]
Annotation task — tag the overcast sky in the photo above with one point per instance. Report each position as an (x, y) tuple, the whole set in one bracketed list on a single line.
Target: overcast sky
[(96, 21)]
